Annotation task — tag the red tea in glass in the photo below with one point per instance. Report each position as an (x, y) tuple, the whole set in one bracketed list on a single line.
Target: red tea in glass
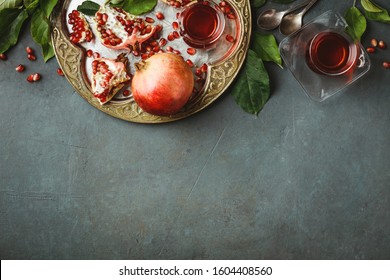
[(331, 53), (202, 24)]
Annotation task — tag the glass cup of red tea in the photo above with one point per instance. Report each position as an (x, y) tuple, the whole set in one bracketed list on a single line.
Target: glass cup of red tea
[(332, 53), (202, 24)]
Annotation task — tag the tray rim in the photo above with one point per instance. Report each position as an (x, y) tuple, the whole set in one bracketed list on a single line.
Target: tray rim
[(219, 77)]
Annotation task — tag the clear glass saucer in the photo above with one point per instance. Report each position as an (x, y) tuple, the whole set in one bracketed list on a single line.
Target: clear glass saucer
[(294, 49)]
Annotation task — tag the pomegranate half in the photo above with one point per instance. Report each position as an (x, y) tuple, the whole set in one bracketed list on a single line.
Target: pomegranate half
[(120, 30), (162, 84)]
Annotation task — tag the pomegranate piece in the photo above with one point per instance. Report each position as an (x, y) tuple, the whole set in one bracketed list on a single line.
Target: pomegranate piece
[(31, 57), (29, 50), (108, 77), (120, 30), (160, 16), (81, 32)]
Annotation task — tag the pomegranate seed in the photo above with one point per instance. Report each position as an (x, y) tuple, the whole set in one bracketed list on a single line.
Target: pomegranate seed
[(386, 65), (96, 55), (126, 92), (176, 34), (30, 78), (169, 49), (136, 53), (162, 42), (160, 15), (229, 38), (20, 68), (170, 37), (144, 56), (203, 68), (156, 48), (31, 57), (231, 16), (89, 53), (29, 50), (198, 72), (222, 4), (374, 42), (60, 72), (3, 56), (149, 20), (370, 50), (176, 52), (175, 25), (191, 51), (190, 63), (36, 77), (382, 45)]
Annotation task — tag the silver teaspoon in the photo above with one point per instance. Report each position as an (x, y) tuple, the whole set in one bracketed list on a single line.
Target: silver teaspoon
[(270, 19), (292, 22)]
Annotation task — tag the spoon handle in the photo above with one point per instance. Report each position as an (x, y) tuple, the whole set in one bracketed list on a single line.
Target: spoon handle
[(298, 6), (308, 7)]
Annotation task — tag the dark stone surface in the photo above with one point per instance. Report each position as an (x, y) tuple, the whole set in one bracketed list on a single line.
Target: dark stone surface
[(303, 180)]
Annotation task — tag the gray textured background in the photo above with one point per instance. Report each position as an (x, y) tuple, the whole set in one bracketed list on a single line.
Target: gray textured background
[(303, 180)]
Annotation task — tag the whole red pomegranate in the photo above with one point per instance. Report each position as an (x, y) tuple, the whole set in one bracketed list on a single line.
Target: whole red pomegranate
[(162, 84)]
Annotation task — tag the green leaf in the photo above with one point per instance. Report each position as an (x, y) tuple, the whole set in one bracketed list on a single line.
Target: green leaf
[(6, 4), (251, 90), (11, 21), (47, 6), (381, 17), (88, 8), (137, 7), (370, 6), (266, 47), (40, 32), (374, 12), (31, 5), (357, 23), (257, 3)]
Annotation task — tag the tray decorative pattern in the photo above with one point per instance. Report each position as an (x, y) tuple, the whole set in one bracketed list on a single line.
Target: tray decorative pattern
[(219, 77)]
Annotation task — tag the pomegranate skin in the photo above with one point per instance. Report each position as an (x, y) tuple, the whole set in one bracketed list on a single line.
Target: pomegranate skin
[(162, 84)]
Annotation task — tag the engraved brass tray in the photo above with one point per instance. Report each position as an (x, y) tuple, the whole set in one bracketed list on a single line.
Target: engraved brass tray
[(220, 74)]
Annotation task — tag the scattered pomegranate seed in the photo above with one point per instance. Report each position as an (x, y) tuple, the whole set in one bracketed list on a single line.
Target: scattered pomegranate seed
[(31, 57), (370, 50), (382, 45), (96, 55), (160, 15), (126, 92), (231, 16), (36, 77), (20, 68), (374, 42), (89, 53), (60, 72), (30, 78), (176, 35), (171, 37), (190, 63), (203, 68), (176, 52), (149, 20), (136, 53), (175, 25), (230, 38), (144, 56), (3, 56), (222, 3), (162, 42), (198, 72), (29, 50), (169, 49), (191, 51), (386, 65)]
